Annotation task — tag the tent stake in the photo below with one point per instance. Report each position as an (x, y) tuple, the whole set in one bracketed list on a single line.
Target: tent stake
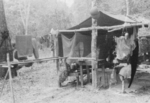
[(10, 78)]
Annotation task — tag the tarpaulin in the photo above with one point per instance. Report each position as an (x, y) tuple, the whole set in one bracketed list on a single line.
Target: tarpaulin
[(104, 40), (27, 47), (24, 45), (35, 48), (77, 46)]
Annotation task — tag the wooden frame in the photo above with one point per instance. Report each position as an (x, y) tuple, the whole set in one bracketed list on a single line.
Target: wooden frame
[(109, 28)]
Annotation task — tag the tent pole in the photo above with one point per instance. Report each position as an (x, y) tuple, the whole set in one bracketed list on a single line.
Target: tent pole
[(10, 77), (56, 52), (54, 48), (93, 50)]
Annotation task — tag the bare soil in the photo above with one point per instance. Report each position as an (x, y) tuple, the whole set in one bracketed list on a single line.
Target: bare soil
[(39, 84)]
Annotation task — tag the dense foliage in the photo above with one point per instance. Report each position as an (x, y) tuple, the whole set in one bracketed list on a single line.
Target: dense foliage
[(37, 17)]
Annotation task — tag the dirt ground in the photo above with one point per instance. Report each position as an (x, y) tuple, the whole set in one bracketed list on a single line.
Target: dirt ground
[(38, 84)]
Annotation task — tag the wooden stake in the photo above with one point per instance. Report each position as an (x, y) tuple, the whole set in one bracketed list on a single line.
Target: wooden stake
[(94, 50), (88, 73), (10, 77)]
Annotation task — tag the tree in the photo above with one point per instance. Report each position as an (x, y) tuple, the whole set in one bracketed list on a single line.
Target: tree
[(24, 8), (80, 10), (36, 17)]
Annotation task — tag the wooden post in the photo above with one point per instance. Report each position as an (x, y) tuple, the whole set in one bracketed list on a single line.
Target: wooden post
[(88, 73), (56, 51), (103, 82), (10, 78), (93, 49), (81, 72)]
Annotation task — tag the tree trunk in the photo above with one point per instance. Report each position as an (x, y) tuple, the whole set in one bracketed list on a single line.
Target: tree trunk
[(25, 16), (127, 7)]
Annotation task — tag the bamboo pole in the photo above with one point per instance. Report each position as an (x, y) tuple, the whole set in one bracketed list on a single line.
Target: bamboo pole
[(94, 49), (48, 59), (10, 78)]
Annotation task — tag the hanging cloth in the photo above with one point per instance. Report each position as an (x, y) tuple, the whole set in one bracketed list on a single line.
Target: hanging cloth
[(24, 46), (125, 45), (35, 48)]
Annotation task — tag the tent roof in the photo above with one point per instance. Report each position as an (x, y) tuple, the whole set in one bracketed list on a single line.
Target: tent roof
[(107, 19)]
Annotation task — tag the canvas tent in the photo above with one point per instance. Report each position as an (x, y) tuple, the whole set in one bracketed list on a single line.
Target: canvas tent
[(78, 44)]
